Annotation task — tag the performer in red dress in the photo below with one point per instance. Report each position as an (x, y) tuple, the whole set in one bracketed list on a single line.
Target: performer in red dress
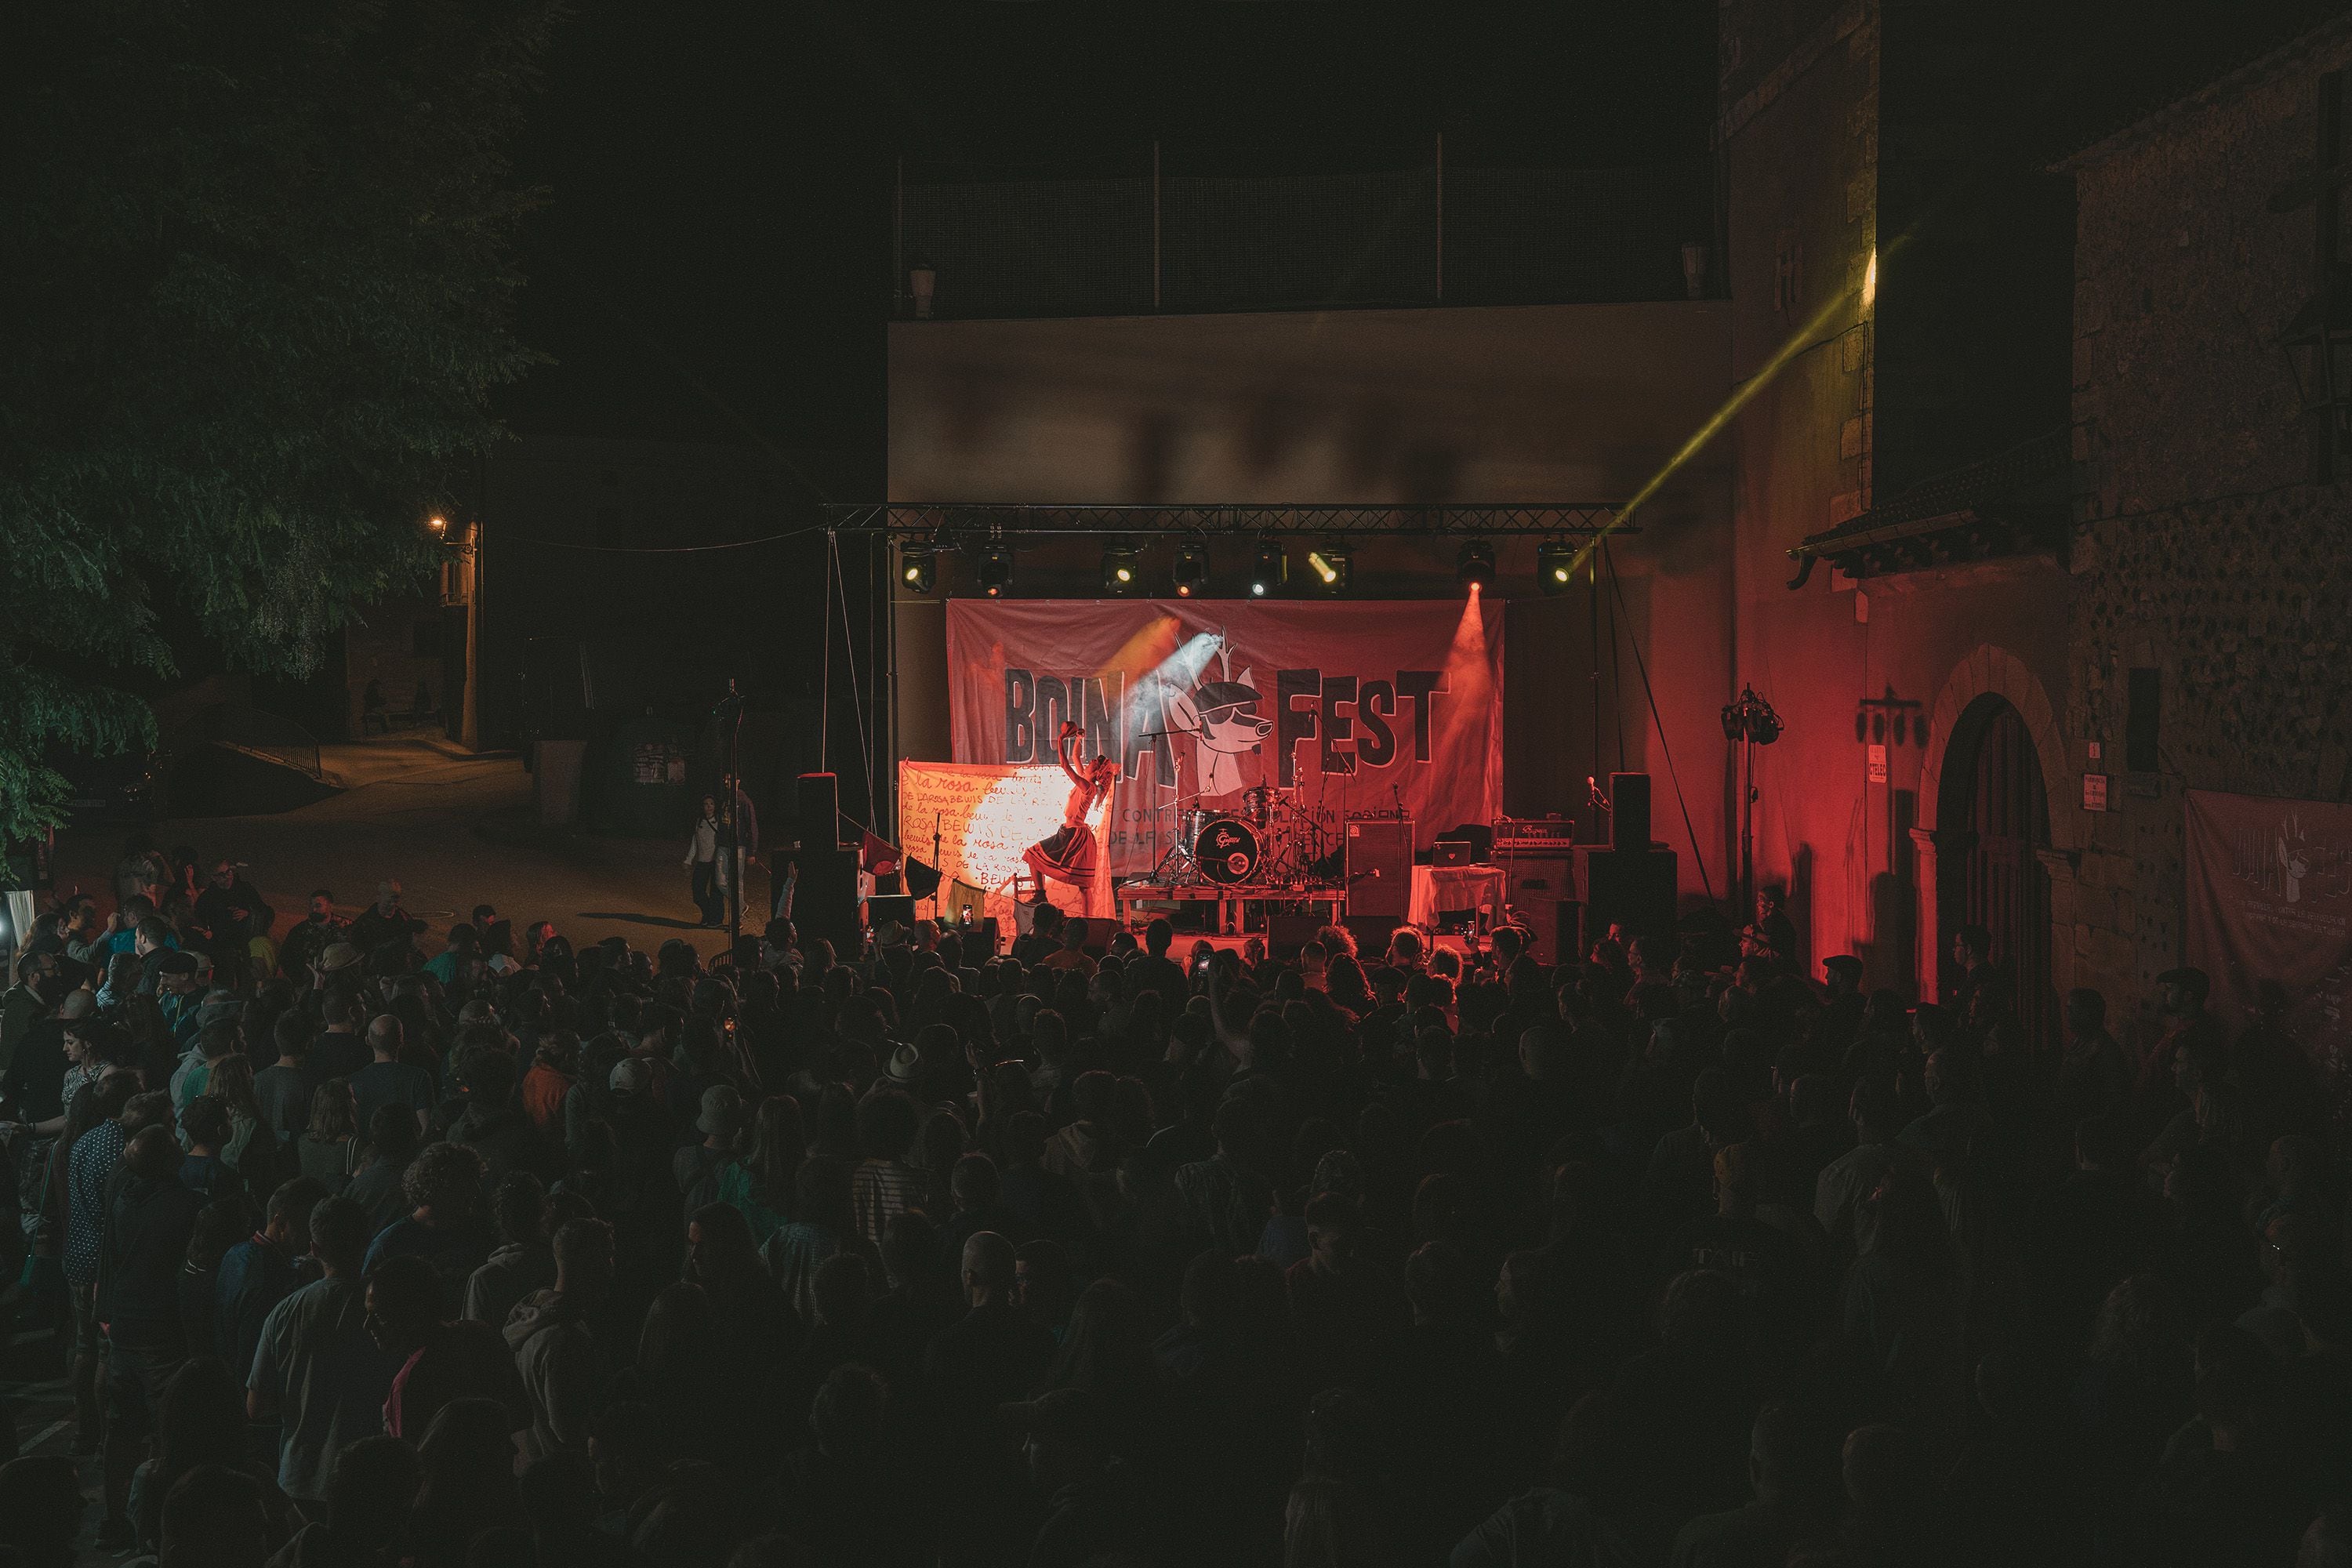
[(1069, 855)]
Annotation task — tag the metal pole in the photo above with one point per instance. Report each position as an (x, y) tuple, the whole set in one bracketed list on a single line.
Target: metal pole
[(824, 671), (740, 869), (1748, 827)]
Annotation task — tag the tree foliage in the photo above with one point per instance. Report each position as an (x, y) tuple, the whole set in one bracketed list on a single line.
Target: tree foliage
[(256, 266)]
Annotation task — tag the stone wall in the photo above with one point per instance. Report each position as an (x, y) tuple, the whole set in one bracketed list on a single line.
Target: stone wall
[(2201, 551)]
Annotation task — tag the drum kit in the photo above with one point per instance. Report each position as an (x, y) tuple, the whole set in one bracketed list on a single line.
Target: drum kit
[(1271, 840)]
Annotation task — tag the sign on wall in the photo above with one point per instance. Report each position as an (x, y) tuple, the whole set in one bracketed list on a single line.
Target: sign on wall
[(1340, 707), (2270, 900)]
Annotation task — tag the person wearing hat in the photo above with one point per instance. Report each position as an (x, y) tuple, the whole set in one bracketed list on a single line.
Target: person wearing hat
[(177, 981), (335, 958), (696, 1167)]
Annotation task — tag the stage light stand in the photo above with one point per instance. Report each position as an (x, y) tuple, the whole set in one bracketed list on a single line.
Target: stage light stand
[(1751, 722)]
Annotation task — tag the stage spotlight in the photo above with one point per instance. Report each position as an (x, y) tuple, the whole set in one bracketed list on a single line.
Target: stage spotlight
[(1554, 565), (1122, 567), (918, 567), (995, 568), (1336, 564), (1474, 566), (1272, 570), (1192, 569)]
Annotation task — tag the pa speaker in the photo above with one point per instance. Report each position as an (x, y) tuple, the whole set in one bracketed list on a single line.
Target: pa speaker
[(1286, 935), (1629, 811), (824, 900), (1380, 866), (896, 907), (819, 802), (1634, 888), (1554, 930)]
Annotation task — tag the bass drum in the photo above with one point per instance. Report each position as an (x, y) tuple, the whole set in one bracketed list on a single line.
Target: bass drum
[(1227, 851)]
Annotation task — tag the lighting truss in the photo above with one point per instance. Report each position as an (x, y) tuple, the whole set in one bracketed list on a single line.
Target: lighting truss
[(925, 518)]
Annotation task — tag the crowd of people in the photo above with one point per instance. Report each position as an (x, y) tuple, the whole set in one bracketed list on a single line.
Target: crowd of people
[(372, 1249)]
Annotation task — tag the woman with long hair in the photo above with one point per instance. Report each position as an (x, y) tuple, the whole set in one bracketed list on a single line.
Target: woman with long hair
[(330, 1148), (231, 1082)]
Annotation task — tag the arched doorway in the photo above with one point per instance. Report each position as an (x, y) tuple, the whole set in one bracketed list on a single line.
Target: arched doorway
[(1992, 823)]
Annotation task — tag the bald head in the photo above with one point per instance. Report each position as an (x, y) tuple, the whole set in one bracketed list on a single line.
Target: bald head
[(987, 1267), (384, 1037)]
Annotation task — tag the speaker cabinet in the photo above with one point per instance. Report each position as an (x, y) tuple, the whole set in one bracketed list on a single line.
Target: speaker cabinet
[(825, 899), (1555, 931), (1532, 883), (1629, 888), (818, 799), (1380, 866), (1629, 811), (1286, 935)]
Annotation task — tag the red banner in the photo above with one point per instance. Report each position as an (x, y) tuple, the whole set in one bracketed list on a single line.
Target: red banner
[(2270, 899), (1355, 706)]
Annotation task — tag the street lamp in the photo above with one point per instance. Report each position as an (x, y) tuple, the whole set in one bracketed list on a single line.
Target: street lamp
[(462, 583)]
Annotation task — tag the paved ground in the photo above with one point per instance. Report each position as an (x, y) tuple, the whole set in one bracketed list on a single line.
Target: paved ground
[(457, 830)]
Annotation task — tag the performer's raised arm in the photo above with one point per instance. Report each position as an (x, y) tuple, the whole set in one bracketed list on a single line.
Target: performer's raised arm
[(1065, 751)]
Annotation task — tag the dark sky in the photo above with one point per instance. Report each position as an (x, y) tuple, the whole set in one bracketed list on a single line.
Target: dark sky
[(716, 260)]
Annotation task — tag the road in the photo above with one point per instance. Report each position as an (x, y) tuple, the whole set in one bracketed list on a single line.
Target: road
[(456, 829)]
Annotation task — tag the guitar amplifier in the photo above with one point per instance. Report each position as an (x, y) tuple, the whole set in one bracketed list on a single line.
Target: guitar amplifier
[(1552, 835), (1380, 866)]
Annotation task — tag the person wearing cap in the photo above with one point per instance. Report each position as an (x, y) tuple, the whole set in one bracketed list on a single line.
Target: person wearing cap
[(696, 1167), (173, 977)]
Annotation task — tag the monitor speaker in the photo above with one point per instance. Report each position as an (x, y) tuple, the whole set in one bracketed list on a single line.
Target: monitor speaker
[(1380, 866), (1634, 888), (1372, 934), (896, 907), (825, 902), (1286, 935), (1629, 811), (819, 803)]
